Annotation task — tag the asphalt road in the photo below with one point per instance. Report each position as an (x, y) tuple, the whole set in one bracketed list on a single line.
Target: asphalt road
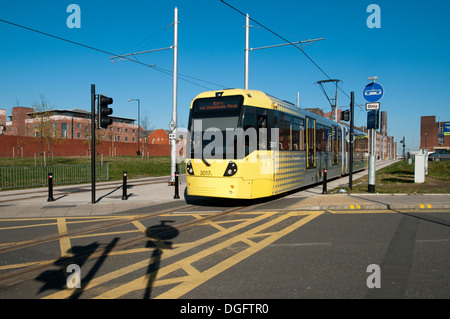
[(264, 251)]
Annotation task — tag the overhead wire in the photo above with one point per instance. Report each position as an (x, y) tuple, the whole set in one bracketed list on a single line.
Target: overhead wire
[(289, 42), (181, 76)]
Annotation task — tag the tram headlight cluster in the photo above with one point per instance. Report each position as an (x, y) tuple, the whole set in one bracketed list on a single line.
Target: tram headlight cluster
[(190, 170), (231, 169)]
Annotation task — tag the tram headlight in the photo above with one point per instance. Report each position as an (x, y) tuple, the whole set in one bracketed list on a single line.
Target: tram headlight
[(189, 168), (231, 169)]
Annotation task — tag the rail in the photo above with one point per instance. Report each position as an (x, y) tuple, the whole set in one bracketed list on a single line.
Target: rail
[(36, 176)]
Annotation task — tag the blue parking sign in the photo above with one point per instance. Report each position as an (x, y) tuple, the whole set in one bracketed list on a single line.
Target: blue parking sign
[(373, 92)]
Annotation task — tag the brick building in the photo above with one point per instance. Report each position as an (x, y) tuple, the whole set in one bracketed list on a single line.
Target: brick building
[(159, 136), (72, 130), (434, 135), (66, 124)]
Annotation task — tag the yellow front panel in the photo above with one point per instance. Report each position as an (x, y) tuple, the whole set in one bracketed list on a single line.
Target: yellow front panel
[(219, 187)]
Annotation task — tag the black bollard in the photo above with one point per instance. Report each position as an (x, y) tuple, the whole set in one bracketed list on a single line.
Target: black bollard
[(176, 196), (324, 190), (124, 187), (50, 188)]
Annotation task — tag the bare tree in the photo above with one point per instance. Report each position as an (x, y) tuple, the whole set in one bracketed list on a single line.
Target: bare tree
[(44, 128)]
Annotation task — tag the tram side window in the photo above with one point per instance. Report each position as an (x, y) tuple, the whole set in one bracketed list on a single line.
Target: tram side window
[(310, 141), (261, 119), (321, 138), (328, 139), (298, 134), (273, 124), (250, 132), (335, 145), (285, 132)]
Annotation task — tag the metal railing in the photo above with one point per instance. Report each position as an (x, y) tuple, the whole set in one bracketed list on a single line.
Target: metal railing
[(35, 176)]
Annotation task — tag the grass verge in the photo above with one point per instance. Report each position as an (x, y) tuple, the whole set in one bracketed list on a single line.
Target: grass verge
[(399, 178)]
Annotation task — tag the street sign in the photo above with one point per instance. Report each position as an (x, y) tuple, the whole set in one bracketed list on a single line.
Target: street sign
[(373, 119), (446, 128), (372, 106), (373, 92), (172, 125)]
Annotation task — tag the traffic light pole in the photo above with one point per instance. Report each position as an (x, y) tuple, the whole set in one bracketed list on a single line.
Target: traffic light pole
[(93, 143)]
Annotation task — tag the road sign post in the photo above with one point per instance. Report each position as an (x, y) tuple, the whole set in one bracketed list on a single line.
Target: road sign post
[(372, 93)]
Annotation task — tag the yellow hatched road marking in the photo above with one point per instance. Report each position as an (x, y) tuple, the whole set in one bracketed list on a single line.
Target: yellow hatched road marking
[(139, 226), (167, 253), (366, 211), (195, 277), (196, 280), (64, 241)]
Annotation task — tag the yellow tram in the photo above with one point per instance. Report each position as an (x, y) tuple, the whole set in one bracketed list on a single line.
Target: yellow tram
[(247, 144)]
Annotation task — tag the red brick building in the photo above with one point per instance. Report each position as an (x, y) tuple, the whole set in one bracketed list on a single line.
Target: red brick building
[(66, 124), (159, 136), (433, 134), (71, 131)]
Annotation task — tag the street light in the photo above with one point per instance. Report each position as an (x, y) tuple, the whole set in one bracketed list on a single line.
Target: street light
[(139, 121)]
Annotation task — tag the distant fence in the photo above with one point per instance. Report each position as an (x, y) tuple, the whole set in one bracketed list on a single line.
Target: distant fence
[(34, 176)]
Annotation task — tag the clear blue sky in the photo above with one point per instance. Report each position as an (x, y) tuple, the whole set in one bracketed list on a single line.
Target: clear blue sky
[(410, 54)]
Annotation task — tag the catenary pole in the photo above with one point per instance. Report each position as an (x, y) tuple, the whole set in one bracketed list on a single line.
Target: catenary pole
[(247, 49), (173, 141), (352, 108)]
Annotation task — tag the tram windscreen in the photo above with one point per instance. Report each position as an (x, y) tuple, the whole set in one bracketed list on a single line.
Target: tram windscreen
[(210, 120)]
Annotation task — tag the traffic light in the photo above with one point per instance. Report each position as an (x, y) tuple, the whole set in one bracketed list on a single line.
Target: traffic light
[(104, 111), (345, 115)]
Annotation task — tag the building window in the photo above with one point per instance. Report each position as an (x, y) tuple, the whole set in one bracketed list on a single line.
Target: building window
[(134, 139), (118, 138), (111, 129), (126, 130), (78, 135), (64, 127), (126, 139), (119, 129), (79, 125)]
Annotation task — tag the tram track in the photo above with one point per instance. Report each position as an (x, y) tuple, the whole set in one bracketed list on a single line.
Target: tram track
[(29, 272)]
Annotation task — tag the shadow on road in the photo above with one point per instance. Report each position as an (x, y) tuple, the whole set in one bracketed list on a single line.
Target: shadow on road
[(159, 240)]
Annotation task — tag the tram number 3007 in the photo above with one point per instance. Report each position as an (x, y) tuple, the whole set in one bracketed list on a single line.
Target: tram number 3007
[(205, 173)]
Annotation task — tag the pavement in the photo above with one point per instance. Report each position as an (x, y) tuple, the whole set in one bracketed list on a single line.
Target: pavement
[(145, 193)]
